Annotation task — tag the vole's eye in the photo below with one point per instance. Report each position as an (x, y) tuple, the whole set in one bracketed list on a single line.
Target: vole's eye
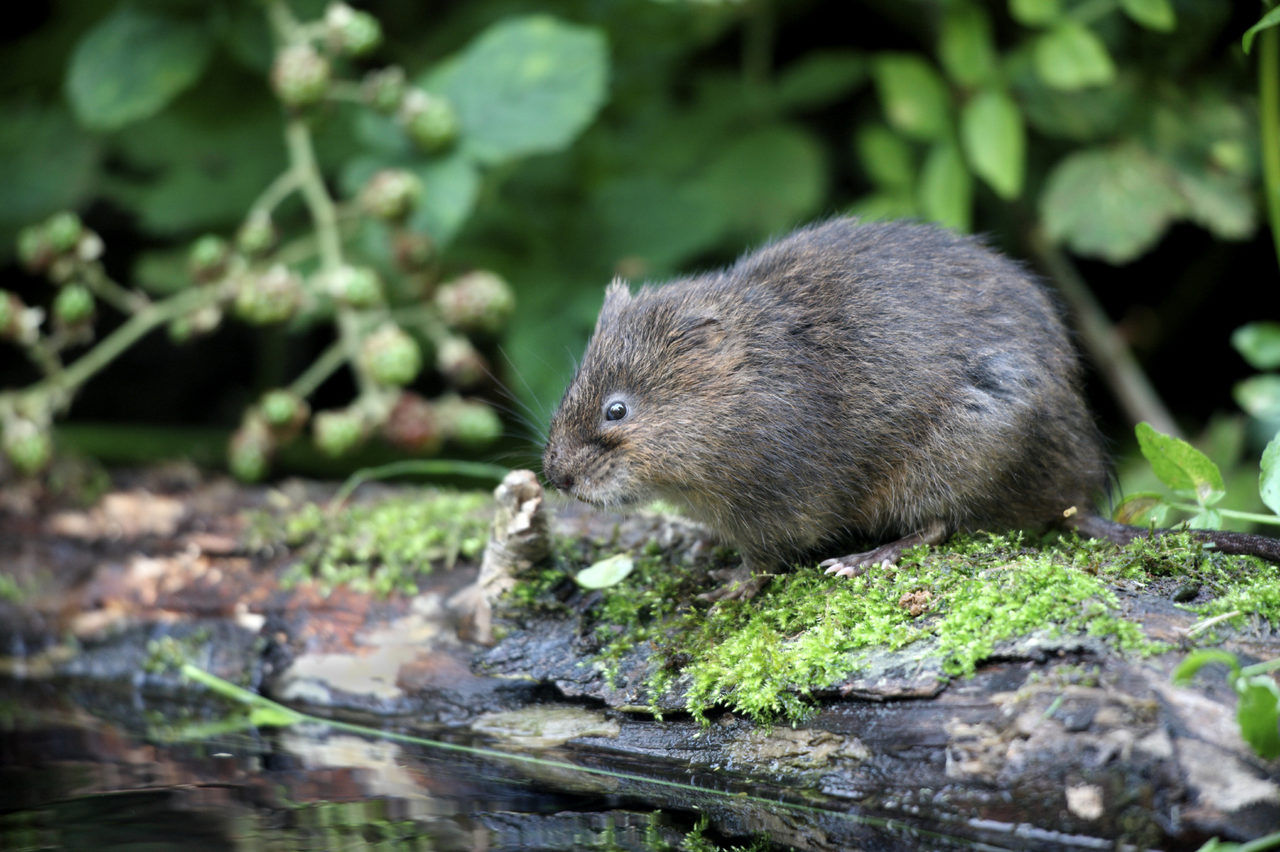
[(615, 410)]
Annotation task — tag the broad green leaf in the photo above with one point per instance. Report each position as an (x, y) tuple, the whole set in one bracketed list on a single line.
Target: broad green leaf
[(1259, 396), (1035, 13), (946, 188), (1269, 476), (133, 63), (1271, 19), (451, 186), (821, 77), (1209, 519), (1196, 660), (1181, 466), (1082, 115), (995, 141), (1112, 203), (886, 157), (607, 572), (653, 221), (1221, 203), (162, 272), (914, 97), (769, 179), (46, 163), (1259, 343), (1136, 508), (1258, 713), (883, 206), (525, 86), (965, 44), (1070, 56), (1153, 14)]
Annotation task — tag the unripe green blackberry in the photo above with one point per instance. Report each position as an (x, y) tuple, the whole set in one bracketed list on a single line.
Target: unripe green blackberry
[(207, 260), (413, 425), (27, 446), (300, 75), (413, 250), (478, 301), (250, 450), (283, 411), (470, 423), (357, 286), (73, 305), (338, 431), (431, 121), (63, 231), (390, 194), (256, 235), (391, 356), (199, 322), (459, 361), (269, 297), (351, 32), (384, 89), (11, 309), (34, 250)]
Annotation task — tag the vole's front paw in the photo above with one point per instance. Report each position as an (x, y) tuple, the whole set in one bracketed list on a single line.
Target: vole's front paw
[(740, 584)]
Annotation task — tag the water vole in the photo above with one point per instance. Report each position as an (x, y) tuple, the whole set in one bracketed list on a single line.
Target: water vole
[(876, 383)]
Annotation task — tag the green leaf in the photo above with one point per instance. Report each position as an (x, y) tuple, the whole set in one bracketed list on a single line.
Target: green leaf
[(1136, 508), (1035, 13), (1153, 14), (821, 77), (1258, 713), (1209, 519), (885, 156), (1112, 203), (1181, 466), (46, 163), (451, 187), (946, 188), (1081, 115), (1070, 56), (995, 141), (914, 97), (1269, 477), (1197, 660), (965, 44), (133, 63), (607, 572), (1259, 396), (1259, 343), (769, 179), (653, 220), (1267, 21), (1222, 203), (525, 86)]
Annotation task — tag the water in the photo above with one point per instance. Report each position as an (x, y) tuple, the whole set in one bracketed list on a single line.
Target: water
[(86, 768)]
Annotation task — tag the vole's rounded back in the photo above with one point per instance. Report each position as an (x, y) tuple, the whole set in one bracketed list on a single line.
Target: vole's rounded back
[(849, 382)]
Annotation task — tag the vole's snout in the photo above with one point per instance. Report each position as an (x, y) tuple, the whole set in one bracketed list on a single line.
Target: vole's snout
[(559, 478)]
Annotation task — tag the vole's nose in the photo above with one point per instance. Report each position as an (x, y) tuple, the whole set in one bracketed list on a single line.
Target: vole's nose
[(561, 480)]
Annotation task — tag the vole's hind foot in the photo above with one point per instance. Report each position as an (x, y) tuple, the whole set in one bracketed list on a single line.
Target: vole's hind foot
[(740, 584), (884, 556)]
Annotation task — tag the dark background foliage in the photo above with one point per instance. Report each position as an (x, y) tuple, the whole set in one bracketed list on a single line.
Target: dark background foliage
[(1092, 134)]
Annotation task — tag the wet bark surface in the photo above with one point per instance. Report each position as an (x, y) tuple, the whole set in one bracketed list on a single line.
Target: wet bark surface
[(1014, 755)]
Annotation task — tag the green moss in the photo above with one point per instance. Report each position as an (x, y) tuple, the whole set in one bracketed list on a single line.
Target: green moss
[(765, 657), (1252, 593), (380, 546)]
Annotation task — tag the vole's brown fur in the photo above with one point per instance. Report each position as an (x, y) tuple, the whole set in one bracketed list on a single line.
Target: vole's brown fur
[(852, 382)]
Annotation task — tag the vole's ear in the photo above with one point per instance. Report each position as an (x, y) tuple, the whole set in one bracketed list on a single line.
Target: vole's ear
[(699, 332), (616, 296)]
